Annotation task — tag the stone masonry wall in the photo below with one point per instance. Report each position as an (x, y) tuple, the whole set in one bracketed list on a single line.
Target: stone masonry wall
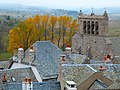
[(99, 46)]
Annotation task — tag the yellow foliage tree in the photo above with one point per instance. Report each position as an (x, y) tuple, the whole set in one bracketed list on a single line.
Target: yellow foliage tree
[(57, 29)]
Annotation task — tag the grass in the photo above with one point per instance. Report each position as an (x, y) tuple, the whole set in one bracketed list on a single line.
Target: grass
[(114, 28), (5, 56), (114, 32)]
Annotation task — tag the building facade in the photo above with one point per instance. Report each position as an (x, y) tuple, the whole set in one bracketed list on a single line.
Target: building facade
[(92, 37)]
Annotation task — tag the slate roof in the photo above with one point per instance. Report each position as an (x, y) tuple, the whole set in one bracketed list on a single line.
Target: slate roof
[(116, 47), (75, 59), (76, 72), (112, 71), (18, 74), (81, 72), (47, 59), (36, 86), (98, 85), (4, 64)]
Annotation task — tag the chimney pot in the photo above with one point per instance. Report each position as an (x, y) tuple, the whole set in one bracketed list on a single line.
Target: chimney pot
[(63, 58), (5, 78), (101, 68), (31, 47), (20, 46), (29, 80)]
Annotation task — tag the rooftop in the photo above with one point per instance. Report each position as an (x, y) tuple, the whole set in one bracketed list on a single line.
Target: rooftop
[(80, 73), (70, 82), (47, 59)]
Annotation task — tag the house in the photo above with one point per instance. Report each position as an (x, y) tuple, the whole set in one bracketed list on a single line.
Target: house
[(91, 76), (40, 63)]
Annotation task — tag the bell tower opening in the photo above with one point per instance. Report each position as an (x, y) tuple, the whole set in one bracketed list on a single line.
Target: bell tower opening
[(93, 24), (97, 28), (88, 27), (84, 26), (92, 27)]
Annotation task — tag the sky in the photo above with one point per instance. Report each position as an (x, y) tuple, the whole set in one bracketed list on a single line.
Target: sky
[(66, 3)]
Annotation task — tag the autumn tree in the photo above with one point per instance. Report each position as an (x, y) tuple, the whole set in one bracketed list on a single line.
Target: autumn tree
[(72, 28), (52, 24), (45, 19), (57, 29)]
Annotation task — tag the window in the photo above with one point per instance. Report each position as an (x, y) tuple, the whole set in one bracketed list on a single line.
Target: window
[(84, 26), (92, 27), (72, 86), (88, 27), (96, 28)]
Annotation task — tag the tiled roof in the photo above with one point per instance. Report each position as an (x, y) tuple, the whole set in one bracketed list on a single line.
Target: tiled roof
[(47, 59)]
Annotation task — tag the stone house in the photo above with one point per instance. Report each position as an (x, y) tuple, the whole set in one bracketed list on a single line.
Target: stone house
[(40, 63), (91, 76)]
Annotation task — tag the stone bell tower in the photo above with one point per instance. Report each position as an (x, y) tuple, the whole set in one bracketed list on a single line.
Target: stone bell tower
[(93, 24), (91, 39)]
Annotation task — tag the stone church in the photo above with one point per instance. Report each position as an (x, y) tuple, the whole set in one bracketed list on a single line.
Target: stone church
[(92, 38)]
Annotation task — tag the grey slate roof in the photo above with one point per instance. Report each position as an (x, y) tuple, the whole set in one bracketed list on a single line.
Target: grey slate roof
[(47, 59), (76, 72), (97, 85), (116, 47), (75, 59), (36, 86), (4, 64), (19, 75), (80, 72), (112, 71)]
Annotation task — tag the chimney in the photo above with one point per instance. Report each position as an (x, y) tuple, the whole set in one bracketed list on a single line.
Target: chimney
[(107, 58), (31, 54), (102, 68), (62, 59), (68, 50), (20, 53), (27, 84), (4, 79)]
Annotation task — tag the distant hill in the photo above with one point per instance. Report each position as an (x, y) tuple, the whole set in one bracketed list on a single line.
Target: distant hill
[(114, 12)]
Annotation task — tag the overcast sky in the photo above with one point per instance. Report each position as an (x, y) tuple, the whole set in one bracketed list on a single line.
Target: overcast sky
[(67, 3)]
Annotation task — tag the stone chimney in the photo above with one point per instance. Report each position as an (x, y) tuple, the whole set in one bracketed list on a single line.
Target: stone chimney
[(62, 59), (20, 53), (31, 54), (107, 58), (101, 68), (4, 79), (68, 50), (27, 84)]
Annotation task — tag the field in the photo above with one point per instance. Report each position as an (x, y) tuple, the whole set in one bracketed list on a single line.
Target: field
[(114, 28), (5, 56)]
